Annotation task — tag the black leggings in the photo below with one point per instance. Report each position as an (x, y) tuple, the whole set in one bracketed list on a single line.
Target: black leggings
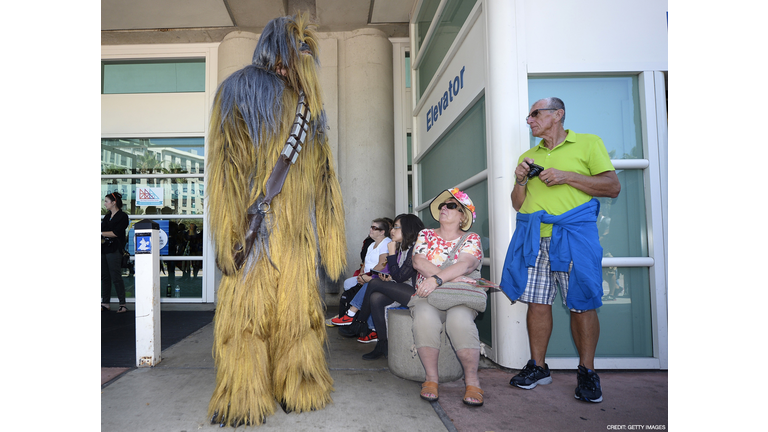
[(378, 296), (111, 273)]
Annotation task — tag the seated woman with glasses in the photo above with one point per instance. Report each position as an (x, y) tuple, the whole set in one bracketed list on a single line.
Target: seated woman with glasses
[(456, 213), (395, 287), (375, 260)]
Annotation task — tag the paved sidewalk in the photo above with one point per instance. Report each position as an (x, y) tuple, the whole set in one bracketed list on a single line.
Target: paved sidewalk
[(174, 395)]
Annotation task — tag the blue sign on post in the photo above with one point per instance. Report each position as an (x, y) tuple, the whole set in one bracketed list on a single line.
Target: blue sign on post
[(143, 243), (163, 236)]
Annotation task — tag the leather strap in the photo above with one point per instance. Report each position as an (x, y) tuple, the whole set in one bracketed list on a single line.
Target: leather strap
[(276, 179)]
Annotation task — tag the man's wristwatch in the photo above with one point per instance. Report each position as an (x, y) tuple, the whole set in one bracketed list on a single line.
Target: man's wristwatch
[(437, 278)]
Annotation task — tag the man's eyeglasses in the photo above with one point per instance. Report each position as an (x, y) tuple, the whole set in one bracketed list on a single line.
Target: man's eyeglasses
[(535, 113), (376, 228), (450, 205)]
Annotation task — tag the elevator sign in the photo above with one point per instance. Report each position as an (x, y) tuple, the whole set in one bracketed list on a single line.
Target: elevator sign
[(456, 86), (149, 196)]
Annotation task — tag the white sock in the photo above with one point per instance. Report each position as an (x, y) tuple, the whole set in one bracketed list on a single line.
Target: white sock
[(350, 313)]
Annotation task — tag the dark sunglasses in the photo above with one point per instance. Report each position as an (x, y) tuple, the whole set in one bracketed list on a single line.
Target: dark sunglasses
[(451, 206), (376, 228), (535, 113)]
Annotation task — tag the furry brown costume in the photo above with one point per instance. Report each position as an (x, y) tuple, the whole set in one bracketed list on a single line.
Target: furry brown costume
[(269, 330)]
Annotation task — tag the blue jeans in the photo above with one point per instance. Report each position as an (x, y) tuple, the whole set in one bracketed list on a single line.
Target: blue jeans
[(357, 302)]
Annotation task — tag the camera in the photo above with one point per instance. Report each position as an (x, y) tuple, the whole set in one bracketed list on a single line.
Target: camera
[(535, 170)]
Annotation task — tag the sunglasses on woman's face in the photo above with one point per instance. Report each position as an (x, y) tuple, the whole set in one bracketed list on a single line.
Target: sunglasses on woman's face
[(450, 205)]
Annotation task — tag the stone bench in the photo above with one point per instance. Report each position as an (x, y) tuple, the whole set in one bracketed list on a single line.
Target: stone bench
[(403, 359)]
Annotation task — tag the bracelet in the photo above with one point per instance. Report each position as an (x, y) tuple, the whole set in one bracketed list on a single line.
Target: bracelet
[(521, 184)]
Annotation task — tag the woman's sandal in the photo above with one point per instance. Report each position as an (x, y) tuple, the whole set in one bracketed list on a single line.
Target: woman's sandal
[(122, 309), (104, 308), (472, 392), (429, 387)]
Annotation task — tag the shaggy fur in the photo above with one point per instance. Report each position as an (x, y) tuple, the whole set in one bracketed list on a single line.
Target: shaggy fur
[(269, 334)]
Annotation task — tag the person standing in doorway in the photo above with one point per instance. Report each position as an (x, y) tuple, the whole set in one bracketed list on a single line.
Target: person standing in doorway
[(113, 226), (556, 241)]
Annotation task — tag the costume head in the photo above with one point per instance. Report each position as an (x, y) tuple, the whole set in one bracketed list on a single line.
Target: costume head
[(285, 56), (465, 204)]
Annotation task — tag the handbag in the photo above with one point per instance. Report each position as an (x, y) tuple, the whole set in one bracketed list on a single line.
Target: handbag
[(126, 260), (451, 294)]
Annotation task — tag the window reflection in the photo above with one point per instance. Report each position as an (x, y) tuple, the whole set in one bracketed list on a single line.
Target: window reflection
[(621, 223), (176, 195), (625, 320), (607, 106), (152, 156)]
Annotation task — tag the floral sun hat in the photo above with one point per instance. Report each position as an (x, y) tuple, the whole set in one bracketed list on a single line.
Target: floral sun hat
[(466, 206)]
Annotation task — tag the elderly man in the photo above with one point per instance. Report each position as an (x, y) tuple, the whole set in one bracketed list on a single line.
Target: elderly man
[(556, 241)]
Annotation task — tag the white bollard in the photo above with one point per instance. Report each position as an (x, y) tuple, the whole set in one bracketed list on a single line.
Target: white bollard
[(147, 264)]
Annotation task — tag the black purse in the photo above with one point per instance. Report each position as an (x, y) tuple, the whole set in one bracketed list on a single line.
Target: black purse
[(126, 261)]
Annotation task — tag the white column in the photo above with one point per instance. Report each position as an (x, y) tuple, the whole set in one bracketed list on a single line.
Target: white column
[(235, 52), (147, 293), (366, 134), (506, 99)]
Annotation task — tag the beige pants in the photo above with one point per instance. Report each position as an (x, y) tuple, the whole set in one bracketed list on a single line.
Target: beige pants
[(428, 324)]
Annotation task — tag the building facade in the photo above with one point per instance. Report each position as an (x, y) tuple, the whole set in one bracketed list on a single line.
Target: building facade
[(444, 107)]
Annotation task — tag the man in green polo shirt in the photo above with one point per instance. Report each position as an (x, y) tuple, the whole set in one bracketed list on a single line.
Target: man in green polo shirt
[(576, 169)]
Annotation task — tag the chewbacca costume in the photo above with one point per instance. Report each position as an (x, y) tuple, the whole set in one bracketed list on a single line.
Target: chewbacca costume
[(269, 332)]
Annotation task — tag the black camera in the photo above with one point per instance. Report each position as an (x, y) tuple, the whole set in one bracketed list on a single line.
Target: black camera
[(535, 170)]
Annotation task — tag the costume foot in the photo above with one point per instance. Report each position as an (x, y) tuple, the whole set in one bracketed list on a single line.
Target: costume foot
[(285, 408), (235, 422)]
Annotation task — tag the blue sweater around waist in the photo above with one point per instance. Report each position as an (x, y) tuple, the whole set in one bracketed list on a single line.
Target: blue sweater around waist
[(574, 238)]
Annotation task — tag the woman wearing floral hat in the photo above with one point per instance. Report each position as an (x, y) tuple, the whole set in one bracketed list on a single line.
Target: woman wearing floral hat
[(456, 213)]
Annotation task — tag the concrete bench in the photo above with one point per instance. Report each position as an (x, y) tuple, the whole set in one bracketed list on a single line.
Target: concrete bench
[(403, 359)]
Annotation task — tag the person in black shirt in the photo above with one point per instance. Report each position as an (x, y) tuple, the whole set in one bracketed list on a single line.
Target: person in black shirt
[(113, 227)]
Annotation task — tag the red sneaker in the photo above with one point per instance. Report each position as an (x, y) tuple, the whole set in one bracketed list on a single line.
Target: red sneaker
[(371, 337), (342, 321)]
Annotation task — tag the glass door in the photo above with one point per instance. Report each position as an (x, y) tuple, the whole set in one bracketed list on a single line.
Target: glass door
[(162, 179)]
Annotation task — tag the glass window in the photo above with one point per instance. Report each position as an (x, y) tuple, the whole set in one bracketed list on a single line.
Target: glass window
[(621, 222), (424, 19), (625, 320), (452, 19), (459, 155), (407, 70), (153, 155), (180, 278), (173, 202), (608, 107), (483, 321), (153, 76)]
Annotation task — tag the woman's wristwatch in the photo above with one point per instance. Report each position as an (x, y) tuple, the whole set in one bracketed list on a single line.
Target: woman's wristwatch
[(437, 278)]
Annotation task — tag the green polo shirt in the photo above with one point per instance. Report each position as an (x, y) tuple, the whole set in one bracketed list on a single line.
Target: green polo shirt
[(580, 153)]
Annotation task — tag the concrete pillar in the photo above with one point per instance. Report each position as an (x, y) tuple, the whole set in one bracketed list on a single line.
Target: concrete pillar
[(235, 52), (507, 96), (403, 359), (147, 266), (366, 134)]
